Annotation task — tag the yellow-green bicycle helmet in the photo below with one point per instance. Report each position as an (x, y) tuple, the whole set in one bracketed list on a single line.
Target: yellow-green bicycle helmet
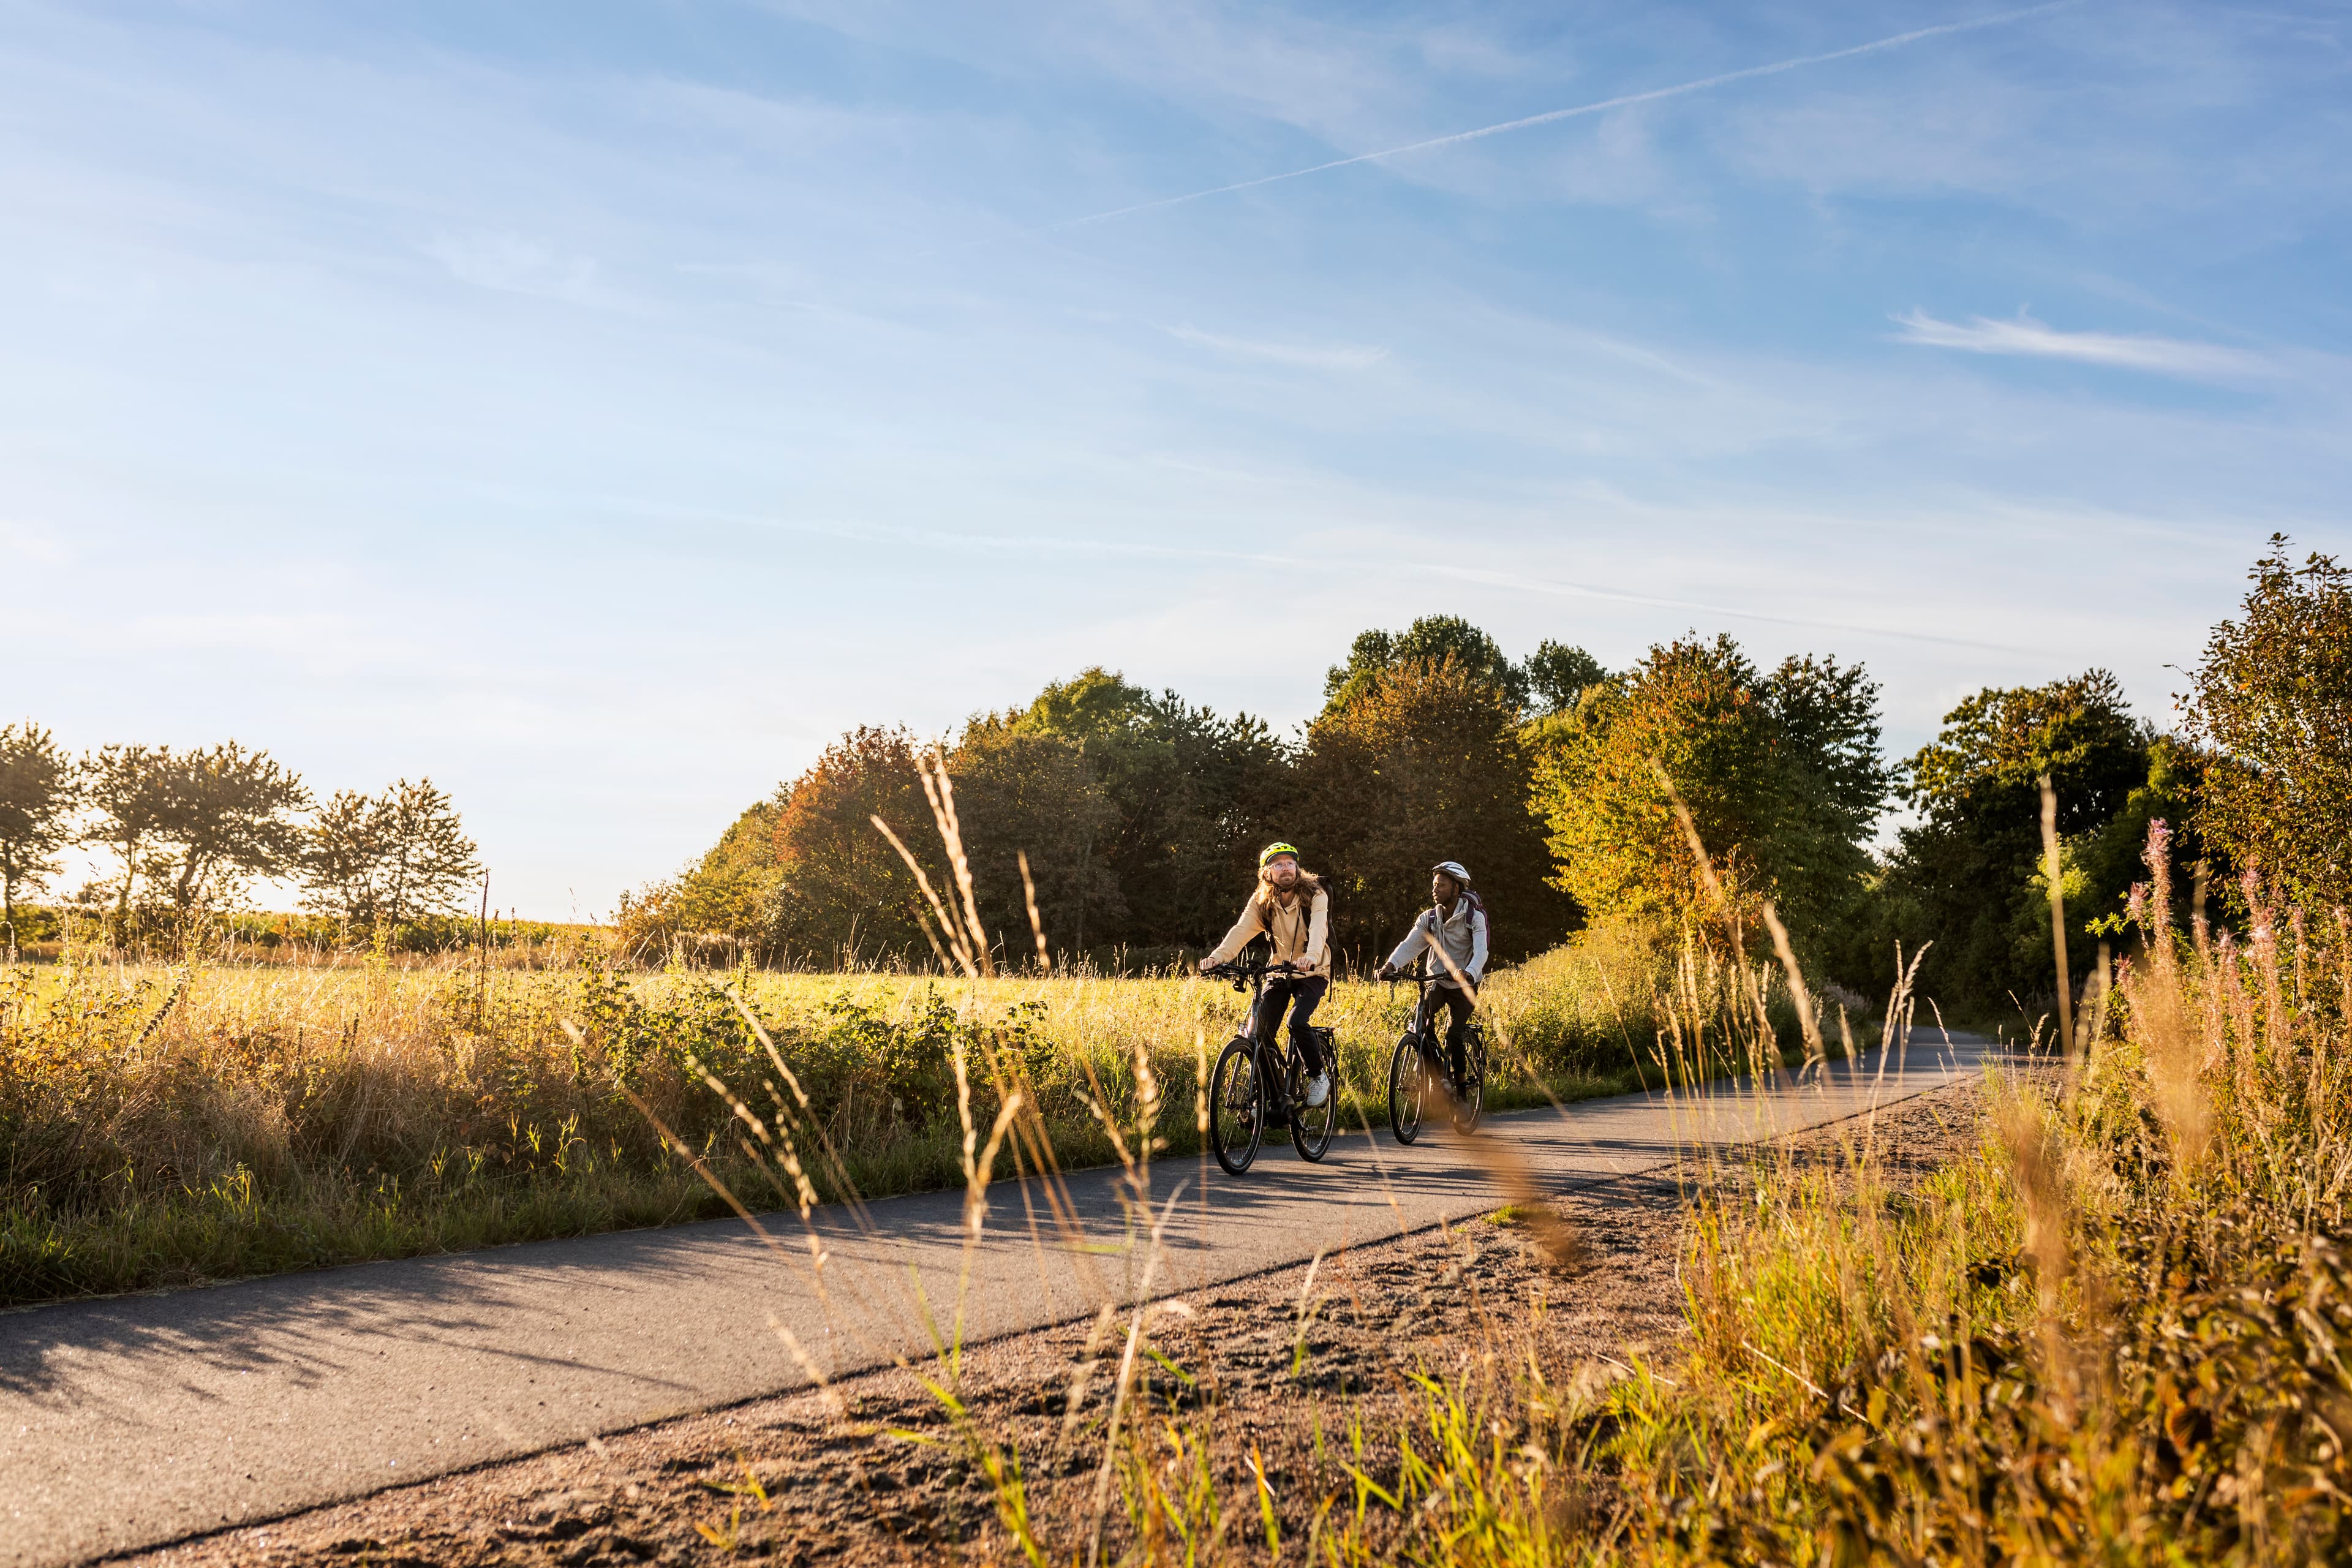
[(1266, 855)]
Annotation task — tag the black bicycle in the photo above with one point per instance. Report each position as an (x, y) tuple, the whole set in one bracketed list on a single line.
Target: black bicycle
[(1258, 1084), (1420, 1068)]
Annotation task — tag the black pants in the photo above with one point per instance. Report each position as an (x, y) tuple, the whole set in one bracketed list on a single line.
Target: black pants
[(1457, 1032), (1306, 992)]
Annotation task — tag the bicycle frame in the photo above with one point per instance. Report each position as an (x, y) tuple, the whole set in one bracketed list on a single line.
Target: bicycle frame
[(1277, 1057), (1426, 1038)]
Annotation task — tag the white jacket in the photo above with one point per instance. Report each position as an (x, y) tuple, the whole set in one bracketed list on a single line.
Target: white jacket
[(1460, 936)]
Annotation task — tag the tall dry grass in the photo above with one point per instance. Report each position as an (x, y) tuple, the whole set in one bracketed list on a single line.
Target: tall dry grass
[(170, 1123), (2119, 1329)]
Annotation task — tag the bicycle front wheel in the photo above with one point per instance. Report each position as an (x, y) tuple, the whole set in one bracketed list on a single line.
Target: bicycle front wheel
[(1408, 1089), (1237, 1107), (1470, 1102)]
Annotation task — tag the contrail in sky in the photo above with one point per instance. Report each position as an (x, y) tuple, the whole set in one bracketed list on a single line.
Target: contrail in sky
[(1622, 101)]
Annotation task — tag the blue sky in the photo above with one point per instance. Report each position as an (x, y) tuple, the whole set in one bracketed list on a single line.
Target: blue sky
[(598, 407)]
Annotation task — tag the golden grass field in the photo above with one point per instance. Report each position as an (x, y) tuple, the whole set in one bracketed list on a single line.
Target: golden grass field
[(166, 1124), (2113, 1332)]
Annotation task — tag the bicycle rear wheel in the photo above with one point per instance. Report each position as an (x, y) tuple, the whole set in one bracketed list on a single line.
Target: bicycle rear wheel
[(1237, 1107), (1408, 1089), (1470, 1101), (1311, 1125)]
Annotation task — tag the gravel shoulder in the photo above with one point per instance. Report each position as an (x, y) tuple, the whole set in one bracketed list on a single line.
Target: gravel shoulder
[(1291, 1361)]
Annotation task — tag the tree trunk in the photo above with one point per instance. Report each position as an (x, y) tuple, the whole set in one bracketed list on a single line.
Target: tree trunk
[(130, 849)]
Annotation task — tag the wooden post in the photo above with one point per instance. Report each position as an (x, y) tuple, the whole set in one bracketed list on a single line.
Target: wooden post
[(482, 962)]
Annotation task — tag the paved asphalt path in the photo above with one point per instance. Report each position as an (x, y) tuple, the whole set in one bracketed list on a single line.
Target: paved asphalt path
[(138, 1420)]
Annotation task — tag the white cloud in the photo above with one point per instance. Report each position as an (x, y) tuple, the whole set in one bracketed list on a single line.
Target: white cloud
[(2024, 335), (513, 265), (1311, 356)]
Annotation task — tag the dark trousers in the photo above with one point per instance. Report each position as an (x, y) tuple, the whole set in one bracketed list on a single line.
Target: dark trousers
[(1305, 992), (1457, 1032)]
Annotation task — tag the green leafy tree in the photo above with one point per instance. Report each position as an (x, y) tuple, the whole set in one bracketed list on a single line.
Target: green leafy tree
[(129, 788), (731, 892), (1968, 874), (1422, 763), (1780, 772), (39, 790), (2271, 699), (427, 861), (222, 815), (1430, 641), (339, 863), (1193, 795), (1559, 676), (1020, 793), (390, 857)]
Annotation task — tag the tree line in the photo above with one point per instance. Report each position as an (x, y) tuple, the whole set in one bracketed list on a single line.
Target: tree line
[(1557, 780), (1138, 815), (189, 832)]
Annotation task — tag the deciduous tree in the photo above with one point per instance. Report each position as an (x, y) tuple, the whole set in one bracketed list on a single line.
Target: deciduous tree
[(1967, 875), (39, 789), (128, 787), (1559, 676), (840, 888), (1780, 772), (2272, 700), (221, 815), (1422, 762), (1430, 641), (389, 858), (1193, 795)]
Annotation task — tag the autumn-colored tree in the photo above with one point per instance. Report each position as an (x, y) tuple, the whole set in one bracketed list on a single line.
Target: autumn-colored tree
[(1781, 772), (2272, 699), (841, 889), (39, 788), (1423, 762)]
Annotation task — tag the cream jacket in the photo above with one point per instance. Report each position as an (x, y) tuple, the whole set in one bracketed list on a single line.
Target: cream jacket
[(1302, 936)]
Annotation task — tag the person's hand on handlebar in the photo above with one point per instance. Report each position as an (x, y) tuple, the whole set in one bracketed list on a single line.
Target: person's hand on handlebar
[(1385, 972)]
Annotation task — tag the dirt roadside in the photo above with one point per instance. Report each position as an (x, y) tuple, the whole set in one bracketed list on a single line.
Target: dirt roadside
[(1284, 1365)]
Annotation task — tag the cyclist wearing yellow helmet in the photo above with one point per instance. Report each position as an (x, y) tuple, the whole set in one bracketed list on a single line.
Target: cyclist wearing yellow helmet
[(1289, 908)]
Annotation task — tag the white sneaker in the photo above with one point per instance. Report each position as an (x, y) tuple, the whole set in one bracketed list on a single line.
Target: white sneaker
[(1319, 1090)]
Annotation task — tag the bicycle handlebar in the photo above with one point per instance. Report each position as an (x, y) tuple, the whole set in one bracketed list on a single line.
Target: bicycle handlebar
[(1248, 971)]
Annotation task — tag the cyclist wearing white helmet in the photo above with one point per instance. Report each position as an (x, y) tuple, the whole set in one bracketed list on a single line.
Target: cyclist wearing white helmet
[(1289, 908), (1453, 933)]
